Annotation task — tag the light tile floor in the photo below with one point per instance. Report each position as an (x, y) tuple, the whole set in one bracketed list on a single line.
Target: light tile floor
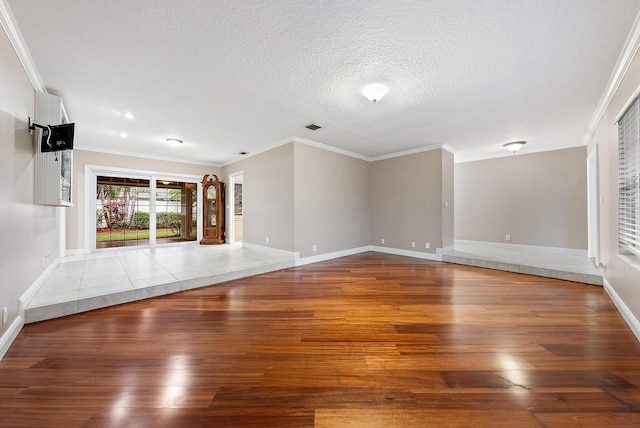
[(113, 276), (527, 260)]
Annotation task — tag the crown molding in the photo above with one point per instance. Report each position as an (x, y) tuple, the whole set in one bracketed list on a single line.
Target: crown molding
[(412, 152), (629, 50), (330, 148), (333, 149), (143, 156), (10, 27), (257, 152)]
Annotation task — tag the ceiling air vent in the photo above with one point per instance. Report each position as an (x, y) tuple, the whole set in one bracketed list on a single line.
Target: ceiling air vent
[(314, 126)]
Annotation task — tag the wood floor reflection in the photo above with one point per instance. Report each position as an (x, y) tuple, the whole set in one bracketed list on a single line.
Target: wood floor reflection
[(371, 340)]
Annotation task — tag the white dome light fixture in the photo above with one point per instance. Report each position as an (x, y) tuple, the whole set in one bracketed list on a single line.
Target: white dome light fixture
[(514, 146), (375, 91)]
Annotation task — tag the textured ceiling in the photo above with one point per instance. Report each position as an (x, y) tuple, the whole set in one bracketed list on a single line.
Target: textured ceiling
[(243, 75)]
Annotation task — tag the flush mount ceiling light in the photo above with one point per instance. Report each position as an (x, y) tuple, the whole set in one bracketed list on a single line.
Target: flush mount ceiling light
[(375, 91), (128, 116), (123, 134), (514, 146), (174, 141)]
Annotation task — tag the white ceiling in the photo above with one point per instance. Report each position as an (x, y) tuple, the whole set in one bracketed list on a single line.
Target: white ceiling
[(244, 75)]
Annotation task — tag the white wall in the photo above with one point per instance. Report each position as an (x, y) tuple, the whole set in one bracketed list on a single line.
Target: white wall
[(623, 277), (28, 232)]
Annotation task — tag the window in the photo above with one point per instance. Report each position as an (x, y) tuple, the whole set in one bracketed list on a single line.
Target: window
[(629, 180)]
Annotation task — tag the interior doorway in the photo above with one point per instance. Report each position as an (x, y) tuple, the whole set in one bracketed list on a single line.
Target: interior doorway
[(593, 205), (236, 182)]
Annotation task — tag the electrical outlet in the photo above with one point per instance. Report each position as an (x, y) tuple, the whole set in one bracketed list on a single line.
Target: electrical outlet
[(413, 244), (428, 245), (382, 241), (446, 204), (267, 239), (314, 248), (4, 315), (507, 237)]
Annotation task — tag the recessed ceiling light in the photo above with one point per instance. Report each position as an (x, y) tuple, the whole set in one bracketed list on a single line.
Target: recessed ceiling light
[(123, 134), (128, 116), (375, 91), (174, 141)]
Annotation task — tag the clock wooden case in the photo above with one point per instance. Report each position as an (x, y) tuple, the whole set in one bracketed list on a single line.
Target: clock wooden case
[(213, 210)]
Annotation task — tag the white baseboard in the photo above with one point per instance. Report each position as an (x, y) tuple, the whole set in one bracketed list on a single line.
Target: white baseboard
[(269, 249), (31, 292), (624, 310), (300, 261), (400, 252), (10, 335), (520, 247), (76, 252), (441, 251)]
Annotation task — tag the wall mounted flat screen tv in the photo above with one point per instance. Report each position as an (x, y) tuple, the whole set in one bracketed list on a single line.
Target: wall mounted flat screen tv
[(57, 137)]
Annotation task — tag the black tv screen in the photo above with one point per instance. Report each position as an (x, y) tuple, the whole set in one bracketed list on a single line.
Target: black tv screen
[(57, 137)]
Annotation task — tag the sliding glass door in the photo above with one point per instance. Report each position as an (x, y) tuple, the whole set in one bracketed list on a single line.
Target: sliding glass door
[(133, 210)]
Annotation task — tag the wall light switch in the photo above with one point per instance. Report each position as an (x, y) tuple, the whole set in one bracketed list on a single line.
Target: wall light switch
[(507, 237), (314, 248), (267, 239), (382, 241), (413, 244)]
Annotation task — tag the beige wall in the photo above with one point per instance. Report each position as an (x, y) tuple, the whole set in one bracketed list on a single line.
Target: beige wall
[(331, 193), (28, 232), (622, 276), (75, 216), (406, 200), (267, 204), (539, 199), (448, 199)]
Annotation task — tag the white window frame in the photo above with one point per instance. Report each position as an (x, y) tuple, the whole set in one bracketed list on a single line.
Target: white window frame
[(629, 181), (91, 172)]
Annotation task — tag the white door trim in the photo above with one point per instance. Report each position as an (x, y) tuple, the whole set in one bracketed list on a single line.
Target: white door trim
[(233, 178), (593, 204), (91, 173)]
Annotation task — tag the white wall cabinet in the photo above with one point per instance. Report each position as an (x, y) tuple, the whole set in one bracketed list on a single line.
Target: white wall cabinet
[(54, 170)]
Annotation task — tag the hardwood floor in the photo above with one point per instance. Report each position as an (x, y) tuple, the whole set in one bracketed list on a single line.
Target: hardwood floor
[(371, 340)]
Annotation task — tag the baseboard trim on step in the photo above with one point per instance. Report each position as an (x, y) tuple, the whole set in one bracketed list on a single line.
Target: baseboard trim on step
[(624, 310), (301, 261), (269, 249), (400, 252), (31, 292), (521, 247), (10, 335)]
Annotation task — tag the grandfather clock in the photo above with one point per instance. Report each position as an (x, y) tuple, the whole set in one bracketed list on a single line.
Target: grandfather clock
[(213, 210)]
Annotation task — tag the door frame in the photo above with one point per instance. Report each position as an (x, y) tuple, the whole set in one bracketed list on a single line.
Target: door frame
[(234, 177), (91, 172), (593, 204)]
